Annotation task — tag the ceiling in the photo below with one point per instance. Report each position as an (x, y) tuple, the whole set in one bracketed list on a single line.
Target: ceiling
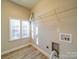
[(26, 3)]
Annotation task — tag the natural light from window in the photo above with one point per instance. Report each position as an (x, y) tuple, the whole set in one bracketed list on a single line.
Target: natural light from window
[(25, 29), (14, 29), (19, 29)]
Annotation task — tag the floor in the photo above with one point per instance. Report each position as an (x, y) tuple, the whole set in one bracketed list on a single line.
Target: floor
[(25, 53)]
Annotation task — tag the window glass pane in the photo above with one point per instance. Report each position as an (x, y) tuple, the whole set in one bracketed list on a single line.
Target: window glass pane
[(25, 29), (14, 29)]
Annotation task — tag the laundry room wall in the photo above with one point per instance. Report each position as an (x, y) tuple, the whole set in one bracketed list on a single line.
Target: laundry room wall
[(54, 17)]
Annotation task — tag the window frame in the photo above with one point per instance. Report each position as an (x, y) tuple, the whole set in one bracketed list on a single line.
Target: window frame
[(20, 31)]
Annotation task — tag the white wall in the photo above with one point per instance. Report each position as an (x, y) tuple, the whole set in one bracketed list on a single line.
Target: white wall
[(9, 9), (62, 19)]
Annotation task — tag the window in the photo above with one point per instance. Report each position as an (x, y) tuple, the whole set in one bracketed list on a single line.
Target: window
[(14, 29), (19, 29), (25, 29)]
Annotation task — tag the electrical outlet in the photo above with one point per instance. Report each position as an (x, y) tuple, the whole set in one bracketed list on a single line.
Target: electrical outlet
[(47, 47)]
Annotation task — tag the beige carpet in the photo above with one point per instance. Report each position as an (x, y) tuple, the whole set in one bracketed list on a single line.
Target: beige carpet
[(25, 53)]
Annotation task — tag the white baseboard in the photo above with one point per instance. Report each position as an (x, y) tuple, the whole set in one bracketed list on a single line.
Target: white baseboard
[(13, 49), (16, 48), (42, 51)]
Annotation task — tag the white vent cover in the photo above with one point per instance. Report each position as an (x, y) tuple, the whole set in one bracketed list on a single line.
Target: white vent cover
[(65, 37)]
